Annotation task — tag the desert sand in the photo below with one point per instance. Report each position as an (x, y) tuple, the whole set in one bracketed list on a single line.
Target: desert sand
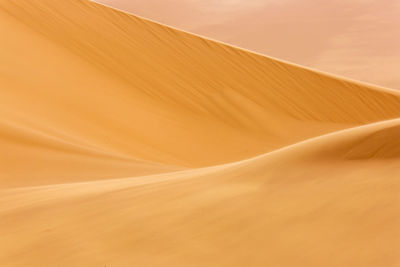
[(125, 142), (352, 38)]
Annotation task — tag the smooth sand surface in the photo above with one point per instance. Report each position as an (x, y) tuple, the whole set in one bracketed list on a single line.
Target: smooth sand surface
[(128, 143), (353, 38)]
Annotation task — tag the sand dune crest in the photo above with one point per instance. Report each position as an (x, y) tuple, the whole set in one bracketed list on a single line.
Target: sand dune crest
[(132, 79), (128, 143)]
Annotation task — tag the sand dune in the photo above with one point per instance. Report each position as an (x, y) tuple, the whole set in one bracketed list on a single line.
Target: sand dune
[(352, 38), (140, 89), (125, 142), (296, 201)]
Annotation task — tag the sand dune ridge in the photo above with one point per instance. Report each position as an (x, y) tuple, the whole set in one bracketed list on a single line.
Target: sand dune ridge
[(128, 143)]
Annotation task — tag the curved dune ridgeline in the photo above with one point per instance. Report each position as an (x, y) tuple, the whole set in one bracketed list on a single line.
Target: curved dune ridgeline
[(295, 201), (128, 143)]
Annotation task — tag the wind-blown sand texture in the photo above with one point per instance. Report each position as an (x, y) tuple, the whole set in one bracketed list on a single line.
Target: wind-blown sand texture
[(128, 143), (353, 38)]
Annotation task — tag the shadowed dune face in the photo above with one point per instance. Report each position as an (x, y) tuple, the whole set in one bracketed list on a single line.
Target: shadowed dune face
[(357, 39), (127, 143)]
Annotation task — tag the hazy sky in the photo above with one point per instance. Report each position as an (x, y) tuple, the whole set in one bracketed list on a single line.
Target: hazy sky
[(359, 39)]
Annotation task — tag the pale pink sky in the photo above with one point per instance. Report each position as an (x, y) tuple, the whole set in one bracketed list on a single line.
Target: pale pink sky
[(359, 39)]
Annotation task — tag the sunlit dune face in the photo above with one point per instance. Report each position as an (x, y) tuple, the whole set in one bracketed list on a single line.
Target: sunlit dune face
[(359, 39), (127, 143)]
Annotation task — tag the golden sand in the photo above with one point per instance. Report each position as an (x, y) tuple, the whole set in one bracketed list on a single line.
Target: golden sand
[(128, 143)]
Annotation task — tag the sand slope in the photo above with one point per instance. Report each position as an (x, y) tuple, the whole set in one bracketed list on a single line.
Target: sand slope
[(293, 207), (141, 89), (88, 93), (353, 38)]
